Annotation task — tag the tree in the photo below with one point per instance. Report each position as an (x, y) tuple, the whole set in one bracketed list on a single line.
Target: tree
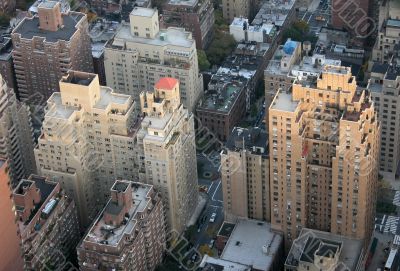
[(205, 249), (4, 19), (204, 64), (222, 45)]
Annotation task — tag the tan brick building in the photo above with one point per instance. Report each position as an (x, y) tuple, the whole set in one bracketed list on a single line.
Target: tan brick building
[(169, 152), (129, 232), (141, 53), (87, 141), (324, 154), (47, 222), (16, 139), (245, 175), (46, 46), (10, 249)]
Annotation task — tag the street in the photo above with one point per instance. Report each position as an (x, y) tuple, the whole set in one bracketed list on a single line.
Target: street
[(318, 18)]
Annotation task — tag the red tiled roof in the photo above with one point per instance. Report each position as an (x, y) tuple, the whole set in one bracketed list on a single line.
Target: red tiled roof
[(166, 83)]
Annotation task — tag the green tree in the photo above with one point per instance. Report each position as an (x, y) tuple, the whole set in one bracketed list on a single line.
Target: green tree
[(222, 45), (204, 64), (4, 19)]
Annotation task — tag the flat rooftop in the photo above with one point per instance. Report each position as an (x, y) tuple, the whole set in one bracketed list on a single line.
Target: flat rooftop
[(29, 28), (248, 138), (226, 229), (283, 102), (212, 264), (170, 36), (319, 242), (144, 12), (273, 11), (110, 235), (245, 246), (190, 3), (48, 4)]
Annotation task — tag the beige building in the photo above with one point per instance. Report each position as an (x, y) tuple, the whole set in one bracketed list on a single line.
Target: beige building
[(384, 87), (16, 138), (324, 154), (129, 232), (239, 8), (244, 175), (46, 46), (167, 137), (88, 138), (141, 53), (47, 222)]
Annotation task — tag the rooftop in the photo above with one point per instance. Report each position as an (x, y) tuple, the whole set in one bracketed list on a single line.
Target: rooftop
[(322, 243), (170, 36), (65, 7), (167, 83), (253, 139), (144, 12), (29, 28), (5, 48), (283, 102), (393, 23), (226, 229), (273, 12), (212, 264), (105, 234), (190, 3), (223, 92), (252, 243)]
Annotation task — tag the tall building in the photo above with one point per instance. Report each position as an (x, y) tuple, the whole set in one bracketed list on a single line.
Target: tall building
[(16, 138), (353, 16), (384, 87), (10, 249), (324, 154), (87, 140), (244, 175), (6, 63), (46, 46), (239, 8), (195, 16), (168, 139), (129, 232), (47, 222), (141, 53)]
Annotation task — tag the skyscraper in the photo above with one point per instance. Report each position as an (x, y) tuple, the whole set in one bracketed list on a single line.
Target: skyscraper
[(16, 139), (141, 53), (324, 155), (10, 250), (87, 141), (245, 175), (46, 46), (128, 234), (169, 151)]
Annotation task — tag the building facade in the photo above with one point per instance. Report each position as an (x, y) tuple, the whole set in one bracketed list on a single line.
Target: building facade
[(46, 46), (324, 154), (140, 54), (87, 140), (10, 249), (245, 175), (6, 63), (47, 222), (239, 8), (195, 16), (169, 152), (16, 137), (129, 232)]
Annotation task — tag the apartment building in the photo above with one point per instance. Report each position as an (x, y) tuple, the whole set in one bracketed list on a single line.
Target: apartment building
[(239, 8), (245, 175), (10, 249), (47, 222), (16, 138), (223, 105), (129, 232), (6, 63), (384, 87), (141, 53), (169, 151), (46, 46), (196, 16), (87, 140), (324, 154), (317, 250)]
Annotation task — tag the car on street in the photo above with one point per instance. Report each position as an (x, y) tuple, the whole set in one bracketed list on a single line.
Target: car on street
[(212, 218), (211, 244)]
